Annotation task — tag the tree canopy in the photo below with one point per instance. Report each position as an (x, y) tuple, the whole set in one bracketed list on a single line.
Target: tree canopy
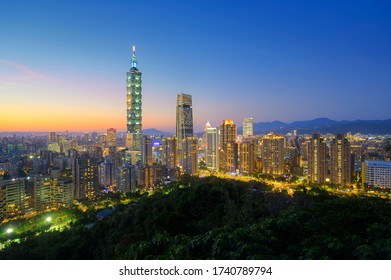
[(212, 218)]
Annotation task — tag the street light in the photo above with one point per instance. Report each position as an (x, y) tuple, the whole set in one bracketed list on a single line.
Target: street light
[(48, 219), (10, 230)]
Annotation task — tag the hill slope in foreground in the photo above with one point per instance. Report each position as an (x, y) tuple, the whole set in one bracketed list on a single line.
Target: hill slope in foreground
[(211, 218)]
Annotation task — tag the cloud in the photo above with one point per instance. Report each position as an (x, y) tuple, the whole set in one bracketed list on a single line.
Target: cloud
[(8, 85), (23, 73), (14, 75)]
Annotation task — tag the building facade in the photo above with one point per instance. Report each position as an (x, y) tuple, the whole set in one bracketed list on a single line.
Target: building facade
[(227, 145), (146, 150), (376, 173), (273, 154), (248, 127), (247, 154), (26, 196), (85, 176), (341, 166), (107, 174), (190, 156), (126, 178), (211, 147), (317, 164), (111, 137), (12, 199), (184, 122), (169, 153)]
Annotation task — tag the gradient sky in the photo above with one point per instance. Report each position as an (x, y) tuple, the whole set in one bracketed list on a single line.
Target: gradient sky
[(63, 63)]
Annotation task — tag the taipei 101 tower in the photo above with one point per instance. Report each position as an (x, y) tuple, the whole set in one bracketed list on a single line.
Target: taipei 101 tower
[(133, 104)]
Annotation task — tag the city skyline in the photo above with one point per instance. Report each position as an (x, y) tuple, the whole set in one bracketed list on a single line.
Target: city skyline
[(270, 61)]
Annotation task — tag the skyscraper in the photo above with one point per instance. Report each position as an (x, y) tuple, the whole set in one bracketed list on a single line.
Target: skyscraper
[(317, 165), (106, 174), (111, 137), (248, 127), (85, 176), (52, 136), (210, 136), (228, 149), (184, 121), (126, 178), (340, 169), (273, 154), (247, 155), (169, 153), (86, 137), (134, 106), (146, 151), (190, 155)]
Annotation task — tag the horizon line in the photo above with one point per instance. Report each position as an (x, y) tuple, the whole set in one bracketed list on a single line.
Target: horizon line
[(124, 131)]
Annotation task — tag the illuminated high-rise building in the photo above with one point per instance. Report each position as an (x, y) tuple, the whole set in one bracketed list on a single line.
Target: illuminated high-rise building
[(52, 136), (12, 194), (376, 174), (85, 176), (169, 153), (228, 152), (106, 174), (134, 106), (190, 155), (126, 178), (149, 175), (232, 159), (102, 138), (30, 195), (273, 154), (146, 150), (341, 167), (210, 138), (86, 137), (247, 155), (248, 127), (184, 121), (317, 164), (111, 137)]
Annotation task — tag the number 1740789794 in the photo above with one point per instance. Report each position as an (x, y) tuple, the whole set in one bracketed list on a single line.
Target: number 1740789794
[(242, 270)]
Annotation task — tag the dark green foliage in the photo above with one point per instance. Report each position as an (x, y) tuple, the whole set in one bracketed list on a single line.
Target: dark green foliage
[(211, 218)]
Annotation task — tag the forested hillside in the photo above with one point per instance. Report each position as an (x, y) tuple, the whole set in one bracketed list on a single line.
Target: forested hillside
[(211, 218)]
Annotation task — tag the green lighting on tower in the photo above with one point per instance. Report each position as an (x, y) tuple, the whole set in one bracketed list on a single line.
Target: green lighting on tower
[(134, 108)]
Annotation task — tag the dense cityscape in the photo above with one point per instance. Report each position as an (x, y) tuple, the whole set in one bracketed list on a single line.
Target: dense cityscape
[(237, 130), (46, 172)]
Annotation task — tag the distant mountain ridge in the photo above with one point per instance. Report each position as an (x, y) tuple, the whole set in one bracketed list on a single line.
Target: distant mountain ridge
[(321, 125), (154, 131), (325, 125)]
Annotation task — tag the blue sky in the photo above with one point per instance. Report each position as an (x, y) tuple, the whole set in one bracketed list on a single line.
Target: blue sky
[(63, 63)]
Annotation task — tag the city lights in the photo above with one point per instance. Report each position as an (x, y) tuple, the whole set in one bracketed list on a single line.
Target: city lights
[(253, 140)]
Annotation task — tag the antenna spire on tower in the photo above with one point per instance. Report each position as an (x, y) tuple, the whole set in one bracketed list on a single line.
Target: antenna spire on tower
[(134, 60)]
